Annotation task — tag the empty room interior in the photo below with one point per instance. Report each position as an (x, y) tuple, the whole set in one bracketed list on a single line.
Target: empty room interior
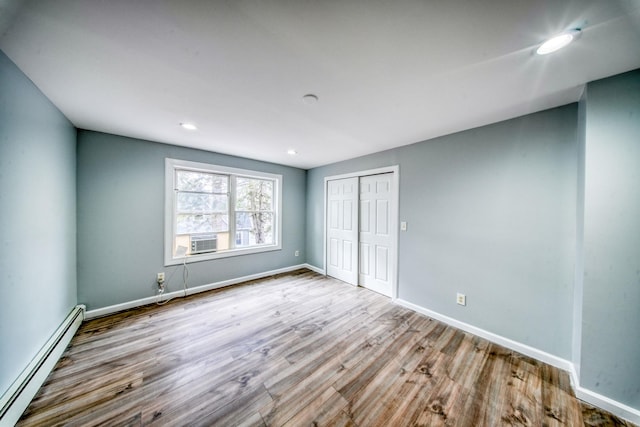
[(320, 213)]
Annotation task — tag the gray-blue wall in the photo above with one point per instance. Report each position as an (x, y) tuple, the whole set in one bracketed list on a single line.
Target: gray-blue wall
[(610, 362), (491, 213), (37, 220), (578, 285), (121, 220)]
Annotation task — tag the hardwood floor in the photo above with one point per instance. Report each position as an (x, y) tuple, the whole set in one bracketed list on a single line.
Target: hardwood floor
[(294, 350)]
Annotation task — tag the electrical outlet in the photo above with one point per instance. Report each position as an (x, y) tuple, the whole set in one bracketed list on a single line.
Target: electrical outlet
[(461, 299), (297, 253), (403, 226), (160, 278)]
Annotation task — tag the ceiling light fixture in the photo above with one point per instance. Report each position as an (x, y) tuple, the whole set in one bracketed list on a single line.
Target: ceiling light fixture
[(310, 99), (292, 152), (558, 42), (189, 126)]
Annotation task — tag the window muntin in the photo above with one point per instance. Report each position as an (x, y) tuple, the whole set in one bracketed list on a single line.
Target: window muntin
[(208, 201)]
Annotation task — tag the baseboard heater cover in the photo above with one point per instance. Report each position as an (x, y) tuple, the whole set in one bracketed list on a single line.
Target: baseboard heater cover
[(16, 399)]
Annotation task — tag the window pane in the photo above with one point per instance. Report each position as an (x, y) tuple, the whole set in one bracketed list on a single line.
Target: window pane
[(254, 194), (205, 203), (254, 228), (201, 182), (191, 224)]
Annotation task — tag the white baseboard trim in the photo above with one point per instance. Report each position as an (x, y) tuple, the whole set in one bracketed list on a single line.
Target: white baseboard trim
[(104, 311), (16, 399), (498, 339), (574, 377), (616, 408), (315, 269)]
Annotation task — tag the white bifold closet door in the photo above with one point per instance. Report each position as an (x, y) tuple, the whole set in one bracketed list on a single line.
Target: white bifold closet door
[(359, 238)]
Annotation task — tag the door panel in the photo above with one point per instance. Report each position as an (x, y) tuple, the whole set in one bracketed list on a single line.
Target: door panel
[(375, 217), (342, 229), (347, 255), (382, 263), (365, 222), (333, 252), (334, 211), (364, 258), (382, 217), (347, 215)]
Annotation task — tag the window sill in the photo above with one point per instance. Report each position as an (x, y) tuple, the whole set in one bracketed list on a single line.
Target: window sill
[(222, 254)]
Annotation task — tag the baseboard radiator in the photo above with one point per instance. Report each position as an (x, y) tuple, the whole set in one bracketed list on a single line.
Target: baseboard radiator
[(16, 399)]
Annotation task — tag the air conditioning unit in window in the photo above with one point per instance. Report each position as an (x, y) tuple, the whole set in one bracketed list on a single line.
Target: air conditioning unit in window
[(203, 243)]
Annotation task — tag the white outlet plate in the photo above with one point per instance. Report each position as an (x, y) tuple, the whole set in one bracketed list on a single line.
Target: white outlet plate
[(403, 226), (461, 299), (297, 253), (160, 278)]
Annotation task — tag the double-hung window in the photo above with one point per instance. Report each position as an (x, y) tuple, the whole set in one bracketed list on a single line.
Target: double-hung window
[(216, 211)]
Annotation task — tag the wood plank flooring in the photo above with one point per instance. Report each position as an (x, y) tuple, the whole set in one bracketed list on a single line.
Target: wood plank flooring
[(295, 350)]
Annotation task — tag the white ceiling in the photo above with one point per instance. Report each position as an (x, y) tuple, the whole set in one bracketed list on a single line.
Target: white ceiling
[(387, 73)]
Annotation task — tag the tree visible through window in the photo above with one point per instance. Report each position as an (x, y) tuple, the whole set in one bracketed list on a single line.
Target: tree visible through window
[(221, 209), (254, 209)]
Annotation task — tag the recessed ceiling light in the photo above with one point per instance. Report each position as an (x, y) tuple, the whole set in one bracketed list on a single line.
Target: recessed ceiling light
[(558, 42), (310, 98), (189, 126), (292, 152)]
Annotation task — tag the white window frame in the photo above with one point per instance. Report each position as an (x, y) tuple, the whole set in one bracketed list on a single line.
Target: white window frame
[(171, 165)]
